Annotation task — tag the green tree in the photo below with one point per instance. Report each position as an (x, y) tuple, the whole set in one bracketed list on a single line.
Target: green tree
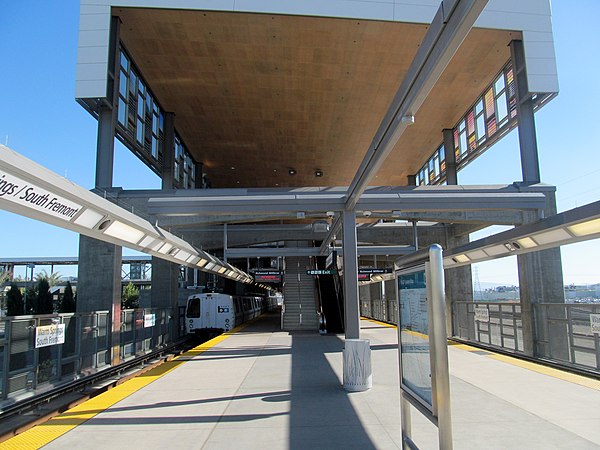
[(131, 296), (14, 301), (67, 301), (5, 276), (31, 301), (44, 298), (52, 278)]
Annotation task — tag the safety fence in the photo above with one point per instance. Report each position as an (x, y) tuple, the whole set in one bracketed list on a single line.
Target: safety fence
[(568, 334), (40, 352)]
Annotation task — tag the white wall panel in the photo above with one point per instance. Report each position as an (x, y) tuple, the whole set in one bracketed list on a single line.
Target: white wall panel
[(530, 16), (93, 55), (90, 89), (374, 10)]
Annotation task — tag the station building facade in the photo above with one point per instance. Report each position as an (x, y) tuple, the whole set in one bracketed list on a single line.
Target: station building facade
[(267, 122)]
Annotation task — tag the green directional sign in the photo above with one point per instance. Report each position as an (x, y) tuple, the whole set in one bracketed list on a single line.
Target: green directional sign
[(321, 272)]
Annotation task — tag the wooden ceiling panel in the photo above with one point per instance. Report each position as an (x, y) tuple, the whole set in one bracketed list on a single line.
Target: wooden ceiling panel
[(266, 93)]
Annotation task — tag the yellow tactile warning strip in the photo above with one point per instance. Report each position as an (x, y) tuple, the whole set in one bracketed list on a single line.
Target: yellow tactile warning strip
[(539, 368), (41, 435)]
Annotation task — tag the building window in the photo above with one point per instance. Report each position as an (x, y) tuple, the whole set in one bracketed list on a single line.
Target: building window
[(490, 117)]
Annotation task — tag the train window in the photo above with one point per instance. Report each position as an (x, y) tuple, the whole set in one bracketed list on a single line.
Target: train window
[(193, 308), (236, 305)]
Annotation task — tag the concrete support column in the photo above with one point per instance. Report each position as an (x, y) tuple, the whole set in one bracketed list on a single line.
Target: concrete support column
[(357, 374), (165, 290), (541, 281), (451, 173), (527, 138), (99, 284), (349, 244), (459, 288)]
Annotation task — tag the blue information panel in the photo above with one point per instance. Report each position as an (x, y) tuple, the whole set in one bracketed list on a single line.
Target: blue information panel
[(413, 334)]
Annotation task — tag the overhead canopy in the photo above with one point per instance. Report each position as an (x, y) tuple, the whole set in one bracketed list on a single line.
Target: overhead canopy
[(255, 95)]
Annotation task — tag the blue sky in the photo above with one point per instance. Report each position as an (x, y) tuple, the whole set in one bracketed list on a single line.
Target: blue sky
[(40, 119)]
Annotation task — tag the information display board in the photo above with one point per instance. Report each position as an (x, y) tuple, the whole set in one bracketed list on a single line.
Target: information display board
[(267, 276), (414, 335), (422, 344)]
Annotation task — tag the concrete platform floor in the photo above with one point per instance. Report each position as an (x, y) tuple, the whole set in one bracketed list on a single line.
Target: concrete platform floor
[(266, 389)]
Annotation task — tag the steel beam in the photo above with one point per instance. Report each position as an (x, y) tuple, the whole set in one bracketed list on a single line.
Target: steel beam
[(440, 198), (273, 252), (448, 29), (530, 165)]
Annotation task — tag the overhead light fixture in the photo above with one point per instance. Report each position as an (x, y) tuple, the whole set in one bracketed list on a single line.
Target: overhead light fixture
[(183, 255), (576, 225), (89, 218), (496, 250), (147, 241), (165, 248), (476, 254), (549, 237), (202, 262), (292, 171), (585, 228), (526, 242), (318, 173), (55, 200), (124, 232), (222, 270), (461, 258)]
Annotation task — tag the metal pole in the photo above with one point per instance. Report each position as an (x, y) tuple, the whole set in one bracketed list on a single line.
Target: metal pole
[(530, 166), (451, 173), (350, 275), (440, 345), (224, 242), (415, 235)]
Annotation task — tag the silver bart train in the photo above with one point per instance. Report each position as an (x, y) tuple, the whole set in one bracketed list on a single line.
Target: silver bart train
[(210, 314)]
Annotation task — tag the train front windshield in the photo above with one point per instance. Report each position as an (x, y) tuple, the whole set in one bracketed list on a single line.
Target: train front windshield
[(193, 307)]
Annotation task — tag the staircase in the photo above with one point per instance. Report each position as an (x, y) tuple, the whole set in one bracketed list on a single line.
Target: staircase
[(299, 310)]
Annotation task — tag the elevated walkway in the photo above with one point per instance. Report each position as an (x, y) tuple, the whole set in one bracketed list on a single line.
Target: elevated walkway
[(263, 388)]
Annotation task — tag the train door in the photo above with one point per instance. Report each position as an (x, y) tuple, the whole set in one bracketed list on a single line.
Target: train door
[(225, 313), (209, 310)]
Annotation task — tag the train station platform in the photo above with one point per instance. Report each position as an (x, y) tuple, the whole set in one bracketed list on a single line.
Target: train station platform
[(261, 388)]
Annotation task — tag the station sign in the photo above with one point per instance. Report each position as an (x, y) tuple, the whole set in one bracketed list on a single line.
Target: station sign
[(49, 335), (321, 272), (27, 195), (149, 320), (374, 271), (268, 276)]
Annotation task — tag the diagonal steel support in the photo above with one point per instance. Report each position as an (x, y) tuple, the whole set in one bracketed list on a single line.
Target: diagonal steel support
[(336, 226), (450, 26)]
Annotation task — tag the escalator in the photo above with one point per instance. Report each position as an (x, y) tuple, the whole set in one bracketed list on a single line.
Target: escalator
[(331, 298)]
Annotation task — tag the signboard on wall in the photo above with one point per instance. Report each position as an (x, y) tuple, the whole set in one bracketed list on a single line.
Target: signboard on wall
[(149, 320), (49, 335), (268, 276)]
